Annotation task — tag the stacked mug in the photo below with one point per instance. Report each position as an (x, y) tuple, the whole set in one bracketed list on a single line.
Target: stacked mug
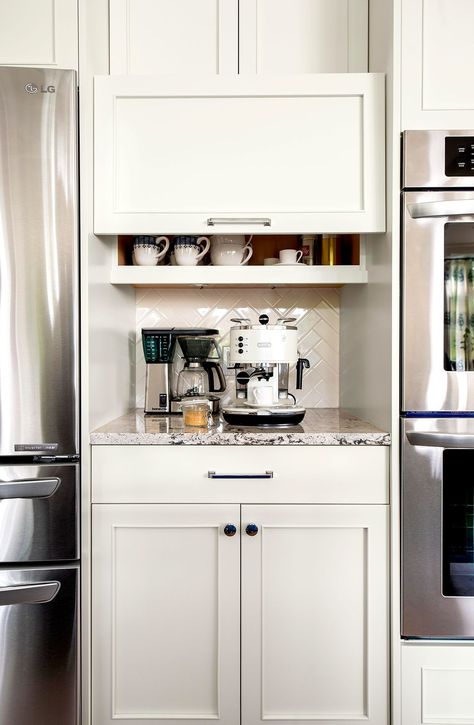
[(149, 251), (230, 249), (188, 251)]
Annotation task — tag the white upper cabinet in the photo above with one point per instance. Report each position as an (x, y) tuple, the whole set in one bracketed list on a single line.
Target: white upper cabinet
[(173, 36), (303, 36), (437, 57), (243, 154), (228, 36), (39, 33)]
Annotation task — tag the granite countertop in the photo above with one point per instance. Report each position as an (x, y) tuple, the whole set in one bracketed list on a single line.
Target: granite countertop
[(320, 427)]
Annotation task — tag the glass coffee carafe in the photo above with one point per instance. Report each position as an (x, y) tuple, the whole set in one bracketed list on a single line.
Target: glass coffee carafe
[(201, 375)]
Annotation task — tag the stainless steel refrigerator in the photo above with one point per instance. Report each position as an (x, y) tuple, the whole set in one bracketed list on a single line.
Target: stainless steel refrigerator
[(39, 398)]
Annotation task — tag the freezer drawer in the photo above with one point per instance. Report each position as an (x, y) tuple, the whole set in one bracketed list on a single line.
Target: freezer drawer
[(39, 652), (39, 513)]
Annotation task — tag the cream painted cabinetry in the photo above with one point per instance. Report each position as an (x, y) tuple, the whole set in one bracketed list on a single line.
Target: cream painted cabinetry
[(287, 624), (227, 36), (437, 683), (273, 154), (39, 33), (437, 88)]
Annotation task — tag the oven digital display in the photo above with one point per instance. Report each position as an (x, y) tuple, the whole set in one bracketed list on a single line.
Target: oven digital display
[(459, 156)]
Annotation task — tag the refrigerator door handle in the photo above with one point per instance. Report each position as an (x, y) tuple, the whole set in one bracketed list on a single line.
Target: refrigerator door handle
[(29, 488), (40, 593), (440, 440), (427, 209)]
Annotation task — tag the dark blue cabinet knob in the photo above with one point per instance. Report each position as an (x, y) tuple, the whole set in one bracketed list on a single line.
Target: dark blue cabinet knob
[(230, 530), (251, 530)]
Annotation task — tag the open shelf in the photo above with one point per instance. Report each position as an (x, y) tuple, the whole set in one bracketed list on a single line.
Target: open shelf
[(246, 276), (256, 274)]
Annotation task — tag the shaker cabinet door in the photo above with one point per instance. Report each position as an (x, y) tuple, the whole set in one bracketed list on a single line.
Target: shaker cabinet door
[(303, 36), (246, 154), (437, 88), (173, 36), (165, 644), (39, 33), (314, 614)]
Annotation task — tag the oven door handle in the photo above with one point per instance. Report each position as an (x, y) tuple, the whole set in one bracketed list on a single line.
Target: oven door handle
[(426, 209), (440, 440)]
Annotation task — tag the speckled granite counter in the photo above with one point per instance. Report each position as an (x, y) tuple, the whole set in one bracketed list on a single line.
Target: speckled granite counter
[(320, 427)]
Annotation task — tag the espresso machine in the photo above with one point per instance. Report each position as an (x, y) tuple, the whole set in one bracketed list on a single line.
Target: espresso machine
[(262, 355), (181, 364)]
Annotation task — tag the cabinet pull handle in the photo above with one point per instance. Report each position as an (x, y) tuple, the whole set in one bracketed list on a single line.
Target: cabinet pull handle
[(251, 530), (265, 221), (213, 474), (230, 530)]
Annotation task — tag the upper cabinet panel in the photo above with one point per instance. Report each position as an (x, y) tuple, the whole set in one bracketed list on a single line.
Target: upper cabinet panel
[(173, 36), (39, 33), (303, 36), (274, 154), (228, 36), (437, 88)]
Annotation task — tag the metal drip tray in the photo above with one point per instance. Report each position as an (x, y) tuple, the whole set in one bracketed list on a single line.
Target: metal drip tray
[(270, 417)]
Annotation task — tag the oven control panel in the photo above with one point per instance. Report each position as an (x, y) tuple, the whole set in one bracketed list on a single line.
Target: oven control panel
[(459, 156)]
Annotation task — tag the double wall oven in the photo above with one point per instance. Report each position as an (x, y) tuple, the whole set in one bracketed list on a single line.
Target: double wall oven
[(437, 392)]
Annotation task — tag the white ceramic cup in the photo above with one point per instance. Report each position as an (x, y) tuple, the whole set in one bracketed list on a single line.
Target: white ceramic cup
[(147, 255), (270, 260), (230, 249), (263, 395), (188, 255), (290, 256)]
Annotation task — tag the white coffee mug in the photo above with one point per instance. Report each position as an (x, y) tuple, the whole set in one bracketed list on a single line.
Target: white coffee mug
[(231, 254), (263, 395), (290, 256), (230, 249), (188, 255), (270, 260)]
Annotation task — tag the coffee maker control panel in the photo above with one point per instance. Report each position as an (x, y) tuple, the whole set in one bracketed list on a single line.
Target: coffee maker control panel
[(263, 345)]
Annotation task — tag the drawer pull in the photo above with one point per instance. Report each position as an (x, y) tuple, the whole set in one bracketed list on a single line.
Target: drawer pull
[(264, 221), (230, 530), (213, 474)]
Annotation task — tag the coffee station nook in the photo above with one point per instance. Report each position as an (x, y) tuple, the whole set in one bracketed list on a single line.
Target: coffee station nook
[(240, 281)]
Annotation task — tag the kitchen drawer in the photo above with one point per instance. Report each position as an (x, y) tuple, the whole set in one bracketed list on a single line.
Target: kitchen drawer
[(309, 474)]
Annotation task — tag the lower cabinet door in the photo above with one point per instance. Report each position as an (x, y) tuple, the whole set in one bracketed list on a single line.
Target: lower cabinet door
[(314, 614), (165, 613)]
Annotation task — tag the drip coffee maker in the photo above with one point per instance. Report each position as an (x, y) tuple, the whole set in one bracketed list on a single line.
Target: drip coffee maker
[(201, 375), (168, 381), (262, 355)]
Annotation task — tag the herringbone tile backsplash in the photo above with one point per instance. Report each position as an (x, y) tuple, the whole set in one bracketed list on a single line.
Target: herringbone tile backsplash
[(316, 311)]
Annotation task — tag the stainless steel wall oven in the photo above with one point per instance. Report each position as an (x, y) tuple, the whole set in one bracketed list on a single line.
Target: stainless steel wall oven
[(437, 386)]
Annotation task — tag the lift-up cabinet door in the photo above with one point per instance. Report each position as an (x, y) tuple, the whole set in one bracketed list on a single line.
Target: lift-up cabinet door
[(245, 154)]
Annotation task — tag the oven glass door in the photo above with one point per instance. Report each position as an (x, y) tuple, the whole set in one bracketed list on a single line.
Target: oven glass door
[(438, 302), (437, 528)]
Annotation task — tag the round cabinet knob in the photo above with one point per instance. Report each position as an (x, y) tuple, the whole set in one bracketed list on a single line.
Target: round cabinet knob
[(251, 530), (230, 530)]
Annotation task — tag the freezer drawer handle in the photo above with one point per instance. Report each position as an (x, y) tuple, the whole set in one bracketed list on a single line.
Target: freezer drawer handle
[(426, 209), (213, 474), (29, 488), (441, 440), (264, 221), (40, 593)]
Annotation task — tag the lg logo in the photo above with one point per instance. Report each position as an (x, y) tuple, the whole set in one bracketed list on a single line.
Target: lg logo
[(33, 88)]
